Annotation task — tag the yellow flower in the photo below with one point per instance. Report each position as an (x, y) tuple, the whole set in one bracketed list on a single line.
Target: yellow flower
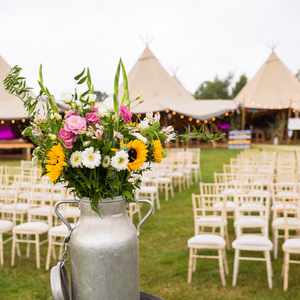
[(157, 151), (55, 162), (137, 153)]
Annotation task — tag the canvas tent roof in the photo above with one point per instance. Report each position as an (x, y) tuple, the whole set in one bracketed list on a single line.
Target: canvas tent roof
[(160, 91), (11, 107), (273, 87)]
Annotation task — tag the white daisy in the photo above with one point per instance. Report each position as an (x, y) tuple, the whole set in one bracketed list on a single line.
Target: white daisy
[(90, 158), (106, 161), (139, 137), (120, 160), (144, 124), (76, 159)]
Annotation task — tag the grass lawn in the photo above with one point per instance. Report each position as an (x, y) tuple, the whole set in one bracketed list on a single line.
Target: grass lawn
[(164, 259)]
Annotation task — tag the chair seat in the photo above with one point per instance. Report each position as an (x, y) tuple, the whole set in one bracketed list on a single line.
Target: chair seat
[(31, 228), (229, 206), (6, 226), (15, 207), (71, 212), (292, 245), (251, 222), (207, 241), (252, 207), (287, 195), (231, 192), (177, 174), (148, 190), (43, 210), (7, 193), (210, 221), (252, 242), (281, 206), (59, 230), (163, 180), (291, 223), (260, 193)]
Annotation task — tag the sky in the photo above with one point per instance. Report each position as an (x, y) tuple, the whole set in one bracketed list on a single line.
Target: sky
[(196, 39)]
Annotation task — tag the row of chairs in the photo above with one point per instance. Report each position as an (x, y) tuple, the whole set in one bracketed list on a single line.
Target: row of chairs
[(252, 200)]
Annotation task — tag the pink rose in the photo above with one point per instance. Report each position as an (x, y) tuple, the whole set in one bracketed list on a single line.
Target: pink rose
[(67, 137), (69, 113), (125, 114), (92, 117), (75, 124)]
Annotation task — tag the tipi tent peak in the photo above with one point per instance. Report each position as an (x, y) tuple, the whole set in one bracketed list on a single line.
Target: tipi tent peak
[(273, 87), (11, 107), (161, 92)]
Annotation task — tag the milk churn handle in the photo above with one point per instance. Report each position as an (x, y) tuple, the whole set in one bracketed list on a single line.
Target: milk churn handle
[(148, 214), (59, 214)]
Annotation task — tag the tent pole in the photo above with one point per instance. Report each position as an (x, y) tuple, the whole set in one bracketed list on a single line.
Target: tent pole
[(289, 114), (243, 118)]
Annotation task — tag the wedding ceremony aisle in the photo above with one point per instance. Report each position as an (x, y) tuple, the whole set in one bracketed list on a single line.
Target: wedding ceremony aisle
[(164, 256)]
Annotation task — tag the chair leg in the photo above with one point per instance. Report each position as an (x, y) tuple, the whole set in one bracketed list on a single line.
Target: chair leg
[(13, 250), (1, 250), (194, 260), (227, 238), (157, 200), (286, 270), (172, 189), (28, 246), (37, 250), (221, 267), (49, 253), (235, 267), (190, 266), (269, 268), (275, 243), (225, 262)]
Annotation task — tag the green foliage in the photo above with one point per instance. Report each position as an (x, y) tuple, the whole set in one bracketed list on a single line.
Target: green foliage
[(16, 85), (203, 133), (239, 85), (220, 88), (216, 89)]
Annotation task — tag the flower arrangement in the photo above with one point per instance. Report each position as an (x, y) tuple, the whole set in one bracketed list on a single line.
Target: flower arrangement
[(97, 153)]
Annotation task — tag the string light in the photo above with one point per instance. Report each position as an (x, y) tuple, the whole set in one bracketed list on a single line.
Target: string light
[(23, 120), (2, 121), (182, 116), (167, 111), (213, 119), (226, 114), (190, 119), (173, 113), (205, 121), (13, 121), (198, 121)]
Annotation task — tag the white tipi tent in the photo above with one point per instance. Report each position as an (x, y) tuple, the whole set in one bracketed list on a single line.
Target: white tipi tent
[(160, 91), (11, 107), (273, 87)]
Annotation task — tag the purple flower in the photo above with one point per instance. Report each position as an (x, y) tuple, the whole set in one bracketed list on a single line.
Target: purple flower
[(125, 114), (92, 117)]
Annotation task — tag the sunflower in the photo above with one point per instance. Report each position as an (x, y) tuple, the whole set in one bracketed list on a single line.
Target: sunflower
[(137, 153), (157, 151), (55, 162)]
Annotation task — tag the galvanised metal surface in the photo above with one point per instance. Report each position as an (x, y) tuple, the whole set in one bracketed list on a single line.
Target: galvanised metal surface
[(104, 254)]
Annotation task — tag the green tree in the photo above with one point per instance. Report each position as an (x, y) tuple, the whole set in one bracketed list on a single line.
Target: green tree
[(216, 89), (239, 85)]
